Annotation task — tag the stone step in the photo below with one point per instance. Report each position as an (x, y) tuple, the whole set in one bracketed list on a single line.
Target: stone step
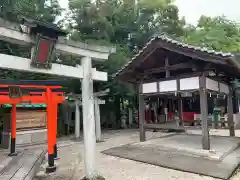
[(24, 166)]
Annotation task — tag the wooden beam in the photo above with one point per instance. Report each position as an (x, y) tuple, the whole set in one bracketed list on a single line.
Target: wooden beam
[(102, 93), (140, 57), (167, 67), (187, 75), (165, 127), (23, 64), (186, 52), (12, 34), (170, 68)]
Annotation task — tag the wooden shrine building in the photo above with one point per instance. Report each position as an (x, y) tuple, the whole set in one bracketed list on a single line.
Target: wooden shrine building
[(171, 70)]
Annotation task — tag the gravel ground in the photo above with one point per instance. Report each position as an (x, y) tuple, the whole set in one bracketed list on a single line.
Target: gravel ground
[(71, 165)]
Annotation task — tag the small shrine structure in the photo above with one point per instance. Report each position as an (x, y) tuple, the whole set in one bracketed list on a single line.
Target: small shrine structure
[(167, 69)]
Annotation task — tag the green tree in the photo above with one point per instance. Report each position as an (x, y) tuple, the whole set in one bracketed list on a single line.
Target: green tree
[(128, 24), (155, 17), (216, 33), (46, 10)]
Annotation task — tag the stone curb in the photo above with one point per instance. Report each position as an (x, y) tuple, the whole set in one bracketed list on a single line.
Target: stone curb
[(36, 166)]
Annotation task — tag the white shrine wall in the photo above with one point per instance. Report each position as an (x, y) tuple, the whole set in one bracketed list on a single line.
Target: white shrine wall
[(189, 83), (185, 84), (168, 86)]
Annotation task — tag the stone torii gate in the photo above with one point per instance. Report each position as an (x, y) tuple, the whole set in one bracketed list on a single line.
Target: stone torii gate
[(45, 39), (97, 102)]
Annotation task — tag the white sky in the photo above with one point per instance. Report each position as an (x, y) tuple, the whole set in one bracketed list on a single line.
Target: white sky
[(193, 9)]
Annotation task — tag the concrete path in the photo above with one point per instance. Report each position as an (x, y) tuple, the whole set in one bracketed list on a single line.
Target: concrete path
[(71, 165)]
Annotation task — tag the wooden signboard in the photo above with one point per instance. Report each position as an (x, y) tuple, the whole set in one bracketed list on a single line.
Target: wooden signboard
[(26, 120), (31, 119)]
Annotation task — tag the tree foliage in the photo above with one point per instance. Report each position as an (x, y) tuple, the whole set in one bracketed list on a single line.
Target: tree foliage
[(216, 33), (126, 24)]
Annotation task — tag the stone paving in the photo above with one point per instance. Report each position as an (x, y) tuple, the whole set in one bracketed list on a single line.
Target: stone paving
[(23, 166), (4, 159), (71, 164)]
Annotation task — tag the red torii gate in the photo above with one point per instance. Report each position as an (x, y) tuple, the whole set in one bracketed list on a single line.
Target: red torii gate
[(19, 92)]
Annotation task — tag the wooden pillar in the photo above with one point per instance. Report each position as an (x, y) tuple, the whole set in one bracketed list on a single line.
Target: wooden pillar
[(77, 120), (180, 111), (88, 119), (65, 116), (171, 106), (130, 116), (50, 131), (98, 120), (61, 119), (204, 113), (165, 109), (13, 130), (69, 120), (151, 120), (154, 105), (230, 113), (141, 115)]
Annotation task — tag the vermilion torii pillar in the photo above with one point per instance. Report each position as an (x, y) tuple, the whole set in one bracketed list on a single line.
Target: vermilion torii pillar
[(51, 132), (13, 130), (55, 115)]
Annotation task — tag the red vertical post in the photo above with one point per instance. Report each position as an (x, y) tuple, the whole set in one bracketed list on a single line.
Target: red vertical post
[(55, 118), (50, 125), (13, 130)]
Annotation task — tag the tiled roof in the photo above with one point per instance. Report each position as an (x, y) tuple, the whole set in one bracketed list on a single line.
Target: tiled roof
[(177, 43)]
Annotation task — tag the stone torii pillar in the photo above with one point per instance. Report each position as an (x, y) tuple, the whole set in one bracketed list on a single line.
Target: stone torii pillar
[(130, 117), (97, 112), (88, 119), (97, 102), (77, 119)]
